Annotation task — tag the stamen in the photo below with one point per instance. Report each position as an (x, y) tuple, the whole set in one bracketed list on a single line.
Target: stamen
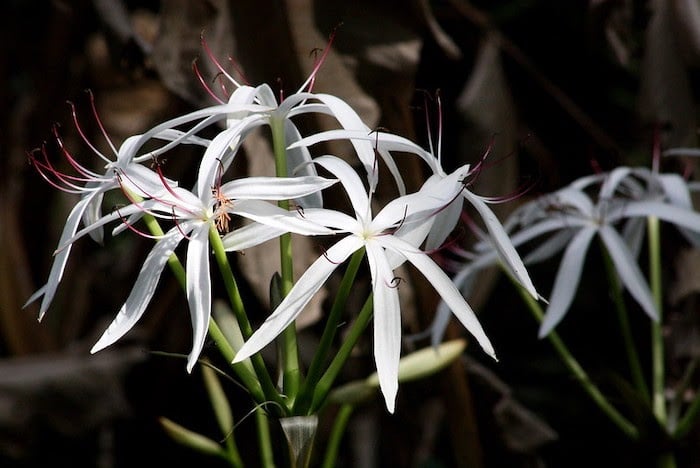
[(211, 56), (99, 122), (129, 226), (325, 255), (311, 80), (203, 82), (84, 137), (395, 281)]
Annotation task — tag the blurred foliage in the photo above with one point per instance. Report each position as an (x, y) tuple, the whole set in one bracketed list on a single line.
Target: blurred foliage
[(561, 88)]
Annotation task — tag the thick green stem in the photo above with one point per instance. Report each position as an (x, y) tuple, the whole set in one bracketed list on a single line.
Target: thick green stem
[(326, 382), (336, 436), (288, 347), (657, 341), (329, 332), (267, 458), (579, 373), (627, 339)]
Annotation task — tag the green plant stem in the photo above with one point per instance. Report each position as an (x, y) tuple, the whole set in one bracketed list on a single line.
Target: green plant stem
[(267, 458), (289, 348), (581, 376), (249, 380), (687, 422), (674, 420), (623, 319), (263, 375), (657, 342), (336, 436), (323, 351), (326, 382)]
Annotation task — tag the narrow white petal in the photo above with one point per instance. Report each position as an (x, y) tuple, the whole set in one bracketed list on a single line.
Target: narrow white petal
[(310, 282), (276, 217), (198, 289), (351, 183), (444, 286), (630, 274), (387, 323), (143, 289), (274, 188), (61, 258), (567, 279), (249, 236), (502, 243)]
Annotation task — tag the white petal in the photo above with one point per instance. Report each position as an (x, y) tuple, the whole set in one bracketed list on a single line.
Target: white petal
[(274, 188), (198, 289), (387, 323), (567, 279), (444, 286), (61, 258), (300, 295), (276, 217), (249, 236), (300, 158), (502, 243), (143, 289), (630, 274), (351, 183)]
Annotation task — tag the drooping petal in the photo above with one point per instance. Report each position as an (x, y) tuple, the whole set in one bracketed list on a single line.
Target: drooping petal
[(630, 274), (503, 243), (143, 289), (567, 279), (61, 258), (444, 286), (549, 247), (308, 284), (198, 289), (387, 323), (681, 217)]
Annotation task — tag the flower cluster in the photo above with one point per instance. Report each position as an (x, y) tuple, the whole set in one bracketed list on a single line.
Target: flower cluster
[(211, 213)]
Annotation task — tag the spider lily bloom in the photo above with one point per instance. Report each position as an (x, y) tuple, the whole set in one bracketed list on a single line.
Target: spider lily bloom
[(123, 172), (194, 216), (435, 229), (575, 219), (377, 236)]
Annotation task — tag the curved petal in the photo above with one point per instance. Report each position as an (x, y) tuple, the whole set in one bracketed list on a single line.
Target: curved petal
[(387, 323), (444, 286), (61, 258), (143, 289), (630, 274), (198, 289), (567, 280), (300, 295), (503, 244), (351, 183)]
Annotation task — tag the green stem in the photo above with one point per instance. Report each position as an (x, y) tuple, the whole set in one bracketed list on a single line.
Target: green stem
[(289, 348), (326, 382), (657, 342), (674, 420), (329, 332), (250, 381), (336, 436), (623, 319), (579, 373), (687, 422), (267, 458), (263, 375)]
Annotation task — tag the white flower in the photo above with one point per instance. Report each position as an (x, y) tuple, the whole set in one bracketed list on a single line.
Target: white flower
[(376, 235), (575, 219), (194, 216)]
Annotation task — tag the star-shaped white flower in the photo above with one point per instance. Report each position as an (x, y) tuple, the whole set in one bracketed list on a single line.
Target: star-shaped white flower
[(376, 234)]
